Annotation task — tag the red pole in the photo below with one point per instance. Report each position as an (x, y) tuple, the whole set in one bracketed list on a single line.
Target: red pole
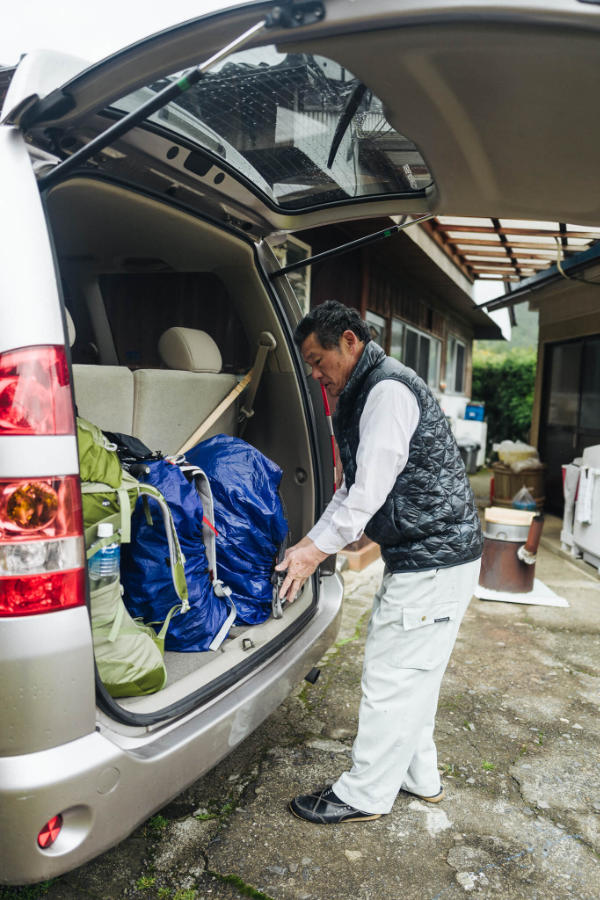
[(330, 423)]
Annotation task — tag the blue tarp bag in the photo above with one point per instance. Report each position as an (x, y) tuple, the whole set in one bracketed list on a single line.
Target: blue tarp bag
[(145, 572), (249, 518)]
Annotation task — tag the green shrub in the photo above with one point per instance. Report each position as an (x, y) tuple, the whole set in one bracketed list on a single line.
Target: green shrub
[(505, 383)]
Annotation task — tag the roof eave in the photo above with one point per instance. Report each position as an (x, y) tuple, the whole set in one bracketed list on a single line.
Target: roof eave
[(571, 267)]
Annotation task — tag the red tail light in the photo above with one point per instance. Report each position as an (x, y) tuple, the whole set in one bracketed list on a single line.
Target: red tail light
[(41, 545), (40, 508), (34, 594), (35, 392), (42, 554)]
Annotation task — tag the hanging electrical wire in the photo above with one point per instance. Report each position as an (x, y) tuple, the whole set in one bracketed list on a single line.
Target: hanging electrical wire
[(559, 259)]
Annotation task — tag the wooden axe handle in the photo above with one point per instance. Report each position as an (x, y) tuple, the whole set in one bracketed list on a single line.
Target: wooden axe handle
[(216, 413)]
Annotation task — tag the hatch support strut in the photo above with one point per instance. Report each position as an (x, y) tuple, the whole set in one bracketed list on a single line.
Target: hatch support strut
[(287, 14), (351, 245)]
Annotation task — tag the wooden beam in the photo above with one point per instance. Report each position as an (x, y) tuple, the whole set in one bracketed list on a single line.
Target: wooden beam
[(502, 274), (527, 232), (499, 261), (503, 255), (503, 240), (431, 228), (464, 243)]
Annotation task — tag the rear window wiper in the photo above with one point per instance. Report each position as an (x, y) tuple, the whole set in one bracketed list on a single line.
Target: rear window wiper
[(354, 101)]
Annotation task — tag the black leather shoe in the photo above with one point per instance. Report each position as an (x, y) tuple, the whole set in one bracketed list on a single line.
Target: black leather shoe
[(325, 808)]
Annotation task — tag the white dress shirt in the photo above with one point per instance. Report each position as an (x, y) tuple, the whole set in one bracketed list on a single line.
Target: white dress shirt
[(387, 424)]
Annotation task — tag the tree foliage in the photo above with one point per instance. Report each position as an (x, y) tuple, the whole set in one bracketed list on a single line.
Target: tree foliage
[(505, 383)]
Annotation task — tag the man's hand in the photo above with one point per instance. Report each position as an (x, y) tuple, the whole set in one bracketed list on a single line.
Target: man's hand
[(299, 563)]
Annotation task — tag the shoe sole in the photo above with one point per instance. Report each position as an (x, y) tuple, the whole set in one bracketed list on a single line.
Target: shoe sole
[(435, 799), (341, 822)]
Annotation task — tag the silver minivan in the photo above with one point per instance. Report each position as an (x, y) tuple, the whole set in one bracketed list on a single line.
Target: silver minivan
[(152, 191)]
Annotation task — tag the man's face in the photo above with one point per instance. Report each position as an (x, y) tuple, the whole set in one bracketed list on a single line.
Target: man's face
[(332, 367)]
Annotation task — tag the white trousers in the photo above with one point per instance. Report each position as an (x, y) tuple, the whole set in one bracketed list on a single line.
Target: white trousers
[(412, 630)]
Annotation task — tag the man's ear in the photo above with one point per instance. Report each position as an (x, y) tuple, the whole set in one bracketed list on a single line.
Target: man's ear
[(351, 340)]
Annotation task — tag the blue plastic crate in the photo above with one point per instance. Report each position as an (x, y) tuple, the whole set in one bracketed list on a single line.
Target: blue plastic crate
[(475, 411)]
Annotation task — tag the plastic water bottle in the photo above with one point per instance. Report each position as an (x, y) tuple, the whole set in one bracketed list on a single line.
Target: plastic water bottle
[(104, 566)]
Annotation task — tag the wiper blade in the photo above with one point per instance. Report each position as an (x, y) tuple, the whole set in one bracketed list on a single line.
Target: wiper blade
[(354, 101)]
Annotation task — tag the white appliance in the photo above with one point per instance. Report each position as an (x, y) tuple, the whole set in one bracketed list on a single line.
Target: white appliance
[(586, 524)]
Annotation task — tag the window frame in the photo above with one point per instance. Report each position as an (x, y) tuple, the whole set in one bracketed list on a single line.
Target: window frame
[(433, 383), (376, 320), (299, 277), (452, 343)]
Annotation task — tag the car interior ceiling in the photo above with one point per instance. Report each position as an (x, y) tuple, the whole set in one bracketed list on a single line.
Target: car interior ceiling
[(146, 260)]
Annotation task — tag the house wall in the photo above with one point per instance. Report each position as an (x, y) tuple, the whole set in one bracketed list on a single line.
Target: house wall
[(359, 279), (567, 310)]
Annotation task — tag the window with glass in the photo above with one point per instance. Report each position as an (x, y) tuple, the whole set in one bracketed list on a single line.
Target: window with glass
[(300, 128), (456, 353), (377, 328), (417, 350), (290, 251), (397, 340)]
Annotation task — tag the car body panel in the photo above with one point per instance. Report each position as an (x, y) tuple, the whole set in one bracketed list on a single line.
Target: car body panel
[(105, 791), (476, 86), (38, 455), (31, 289), (47, 690)]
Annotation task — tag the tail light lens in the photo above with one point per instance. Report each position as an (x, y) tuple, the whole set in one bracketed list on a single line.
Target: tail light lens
[(35, 392), (40, 508), (42, 554), (34, 594)]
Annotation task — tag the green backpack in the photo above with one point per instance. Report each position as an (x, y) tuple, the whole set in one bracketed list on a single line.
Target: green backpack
[(129, 654)]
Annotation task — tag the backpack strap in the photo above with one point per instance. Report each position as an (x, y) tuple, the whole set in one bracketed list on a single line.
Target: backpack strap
[(175, 552), (195, 474), (224, 592)]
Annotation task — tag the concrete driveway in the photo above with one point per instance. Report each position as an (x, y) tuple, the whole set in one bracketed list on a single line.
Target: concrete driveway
[(517, 734)]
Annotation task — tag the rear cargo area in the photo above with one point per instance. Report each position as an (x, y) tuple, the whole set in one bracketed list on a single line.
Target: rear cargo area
[(131, 268)]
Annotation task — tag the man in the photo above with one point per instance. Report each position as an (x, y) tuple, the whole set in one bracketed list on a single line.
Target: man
[(405, 486)]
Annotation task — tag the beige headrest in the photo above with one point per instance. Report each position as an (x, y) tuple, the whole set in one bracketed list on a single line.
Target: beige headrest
[(70, 327), (190, 350)]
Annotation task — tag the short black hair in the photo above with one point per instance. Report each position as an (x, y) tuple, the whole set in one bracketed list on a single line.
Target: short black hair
[(328, 322)]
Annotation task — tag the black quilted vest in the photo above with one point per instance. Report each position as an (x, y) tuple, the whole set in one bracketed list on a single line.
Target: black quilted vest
[(429, 519)]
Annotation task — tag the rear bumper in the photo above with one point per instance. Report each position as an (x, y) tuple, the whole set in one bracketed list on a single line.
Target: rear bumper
[(104, 791)]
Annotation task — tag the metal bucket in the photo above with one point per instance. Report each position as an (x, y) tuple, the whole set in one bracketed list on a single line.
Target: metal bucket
[(511, 539)]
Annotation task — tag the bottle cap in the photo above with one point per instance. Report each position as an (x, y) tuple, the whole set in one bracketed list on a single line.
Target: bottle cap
[(105, 529)]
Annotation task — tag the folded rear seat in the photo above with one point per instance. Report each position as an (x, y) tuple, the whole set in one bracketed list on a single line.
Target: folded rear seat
[(169, 404), (104, 396)]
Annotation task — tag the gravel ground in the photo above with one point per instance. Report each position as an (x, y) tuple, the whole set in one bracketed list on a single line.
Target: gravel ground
[(517, 734)]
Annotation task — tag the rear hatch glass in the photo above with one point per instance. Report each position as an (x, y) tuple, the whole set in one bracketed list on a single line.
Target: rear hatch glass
[(300, 128)]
